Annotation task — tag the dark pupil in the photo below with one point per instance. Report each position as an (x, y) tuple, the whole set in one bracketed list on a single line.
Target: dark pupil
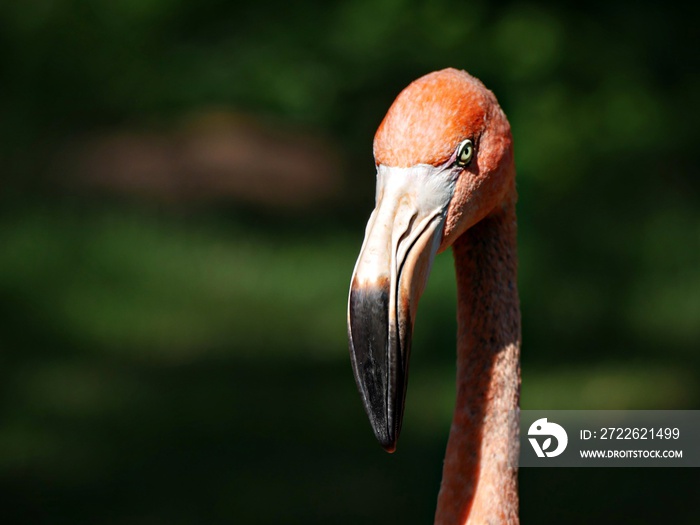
[(465, 152)]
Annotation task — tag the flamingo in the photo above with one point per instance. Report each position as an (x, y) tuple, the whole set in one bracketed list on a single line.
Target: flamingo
[(445, 177)]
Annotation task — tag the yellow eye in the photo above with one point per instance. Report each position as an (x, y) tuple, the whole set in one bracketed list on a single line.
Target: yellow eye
[(465, 152)]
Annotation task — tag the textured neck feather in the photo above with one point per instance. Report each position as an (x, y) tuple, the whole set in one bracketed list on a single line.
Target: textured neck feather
[(479, 484)]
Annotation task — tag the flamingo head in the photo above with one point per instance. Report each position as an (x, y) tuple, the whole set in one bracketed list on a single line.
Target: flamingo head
[(444, 161)]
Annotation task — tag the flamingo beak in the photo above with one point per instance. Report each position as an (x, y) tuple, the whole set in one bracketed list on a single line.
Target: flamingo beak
[(402, 237)]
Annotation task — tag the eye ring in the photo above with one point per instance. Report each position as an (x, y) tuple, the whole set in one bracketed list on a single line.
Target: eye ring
[(465, 153)]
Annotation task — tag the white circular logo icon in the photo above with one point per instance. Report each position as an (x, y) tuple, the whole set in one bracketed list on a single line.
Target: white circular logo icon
[(542, 427)]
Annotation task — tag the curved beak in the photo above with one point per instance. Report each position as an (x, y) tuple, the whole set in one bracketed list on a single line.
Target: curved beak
[(402, 237)]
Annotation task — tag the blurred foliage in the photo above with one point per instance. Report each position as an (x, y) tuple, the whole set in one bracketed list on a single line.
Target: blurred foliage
[(166, 364)]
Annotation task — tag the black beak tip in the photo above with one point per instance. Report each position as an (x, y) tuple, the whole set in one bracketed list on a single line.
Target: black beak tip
[(379, 372), (389, 446), (386, 440)]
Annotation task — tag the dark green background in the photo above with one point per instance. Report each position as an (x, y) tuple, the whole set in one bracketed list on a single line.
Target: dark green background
[(184, 361)]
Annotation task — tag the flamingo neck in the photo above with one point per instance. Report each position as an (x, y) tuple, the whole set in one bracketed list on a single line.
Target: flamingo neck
[(479, 483)]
